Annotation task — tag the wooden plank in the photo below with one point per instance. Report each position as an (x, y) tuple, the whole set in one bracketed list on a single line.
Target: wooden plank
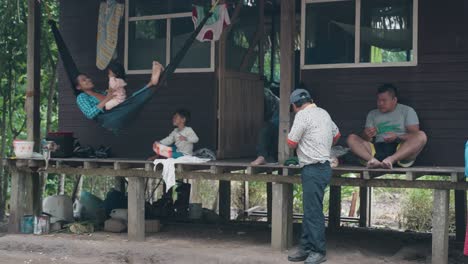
[(336, 181), (136, 209), (334, 214), (440, 224), (33, 91)]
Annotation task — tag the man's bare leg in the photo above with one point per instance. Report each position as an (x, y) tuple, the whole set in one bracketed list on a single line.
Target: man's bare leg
[(363, 150), (259, 161), (408, 150)]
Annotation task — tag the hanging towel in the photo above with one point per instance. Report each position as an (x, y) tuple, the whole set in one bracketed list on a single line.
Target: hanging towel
[(110, 14), (214, 26), (168, 172)]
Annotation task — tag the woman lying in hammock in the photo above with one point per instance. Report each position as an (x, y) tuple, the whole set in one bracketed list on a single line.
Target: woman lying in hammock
[(93, 103)]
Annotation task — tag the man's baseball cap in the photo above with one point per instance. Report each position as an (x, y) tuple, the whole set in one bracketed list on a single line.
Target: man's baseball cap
[(299, 94)]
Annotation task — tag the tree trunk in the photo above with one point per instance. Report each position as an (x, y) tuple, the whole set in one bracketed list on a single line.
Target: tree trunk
[(3, 132)]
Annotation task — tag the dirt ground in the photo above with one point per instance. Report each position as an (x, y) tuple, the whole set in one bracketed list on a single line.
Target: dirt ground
[(184, 243)]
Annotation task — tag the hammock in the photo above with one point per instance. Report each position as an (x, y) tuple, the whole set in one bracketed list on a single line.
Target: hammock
[(390, 39), (124, 113)]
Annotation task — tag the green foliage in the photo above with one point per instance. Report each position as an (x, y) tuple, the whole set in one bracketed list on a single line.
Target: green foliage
[(417, 210)]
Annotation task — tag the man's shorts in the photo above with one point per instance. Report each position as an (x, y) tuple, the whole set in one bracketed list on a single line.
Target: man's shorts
[(383, 150)]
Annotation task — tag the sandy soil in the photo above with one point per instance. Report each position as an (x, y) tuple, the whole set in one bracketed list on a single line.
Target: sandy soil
[(211, 244)]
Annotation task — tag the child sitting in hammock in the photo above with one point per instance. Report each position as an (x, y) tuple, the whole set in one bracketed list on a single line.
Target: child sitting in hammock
[(116, 73), (93, 103), (180, 142)]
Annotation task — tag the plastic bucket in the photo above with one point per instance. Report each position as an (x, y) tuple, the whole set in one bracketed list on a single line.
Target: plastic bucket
[(27, 224), (41, 225), (23, 149)]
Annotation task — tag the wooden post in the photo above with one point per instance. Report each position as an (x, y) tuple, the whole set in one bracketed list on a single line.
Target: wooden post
[(246, 196), (440, 223), (33, 91), (61, 189), (25, 198), (224, 195), (282, 216), (17, 200), (365, 206), (288, 32), (261, 45), (136, 209), (36, 198), (334, 211), (269, 201), (460, 209), (282, 213), (225, 200)]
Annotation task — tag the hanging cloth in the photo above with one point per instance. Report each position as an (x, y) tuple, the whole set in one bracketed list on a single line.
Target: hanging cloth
[(121, 115), (110, 14), (214, 26)]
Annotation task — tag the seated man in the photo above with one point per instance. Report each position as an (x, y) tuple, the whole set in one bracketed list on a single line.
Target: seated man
[(92, 103), (394, 130), (267, 147)]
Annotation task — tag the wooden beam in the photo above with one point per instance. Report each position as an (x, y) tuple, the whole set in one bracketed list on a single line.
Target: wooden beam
[(136, 209), (33, 91), (440, 224), (288, 33)]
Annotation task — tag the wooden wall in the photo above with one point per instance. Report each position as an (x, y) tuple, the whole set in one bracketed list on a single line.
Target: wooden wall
[(437, 88), (194, 91)]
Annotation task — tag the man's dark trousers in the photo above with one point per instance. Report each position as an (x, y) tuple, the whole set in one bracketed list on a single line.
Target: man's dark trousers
[(315, 178)]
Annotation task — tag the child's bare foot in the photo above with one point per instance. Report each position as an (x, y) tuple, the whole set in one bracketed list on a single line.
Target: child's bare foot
[(259, 161), (155, 73), (388, 163), (374, 163)]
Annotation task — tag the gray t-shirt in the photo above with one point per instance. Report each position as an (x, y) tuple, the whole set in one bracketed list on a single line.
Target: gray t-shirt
[(395, 121), (313, 130)]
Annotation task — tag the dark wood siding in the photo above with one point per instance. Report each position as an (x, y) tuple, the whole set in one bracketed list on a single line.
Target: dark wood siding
[(437, 88), (194, 91)]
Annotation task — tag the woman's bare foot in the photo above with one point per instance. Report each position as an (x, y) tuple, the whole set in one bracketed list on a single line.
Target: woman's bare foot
[(259, 161), (155, 73), (388, 163), (374, 163)]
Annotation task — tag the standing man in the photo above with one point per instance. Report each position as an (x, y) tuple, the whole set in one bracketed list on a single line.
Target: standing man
[(391, 134), (313, 133)]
